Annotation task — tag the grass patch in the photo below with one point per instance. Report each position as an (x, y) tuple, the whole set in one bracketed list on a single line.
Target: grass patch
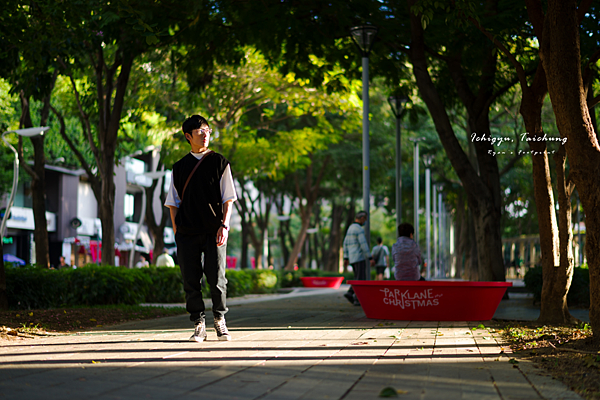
[(74, 319)]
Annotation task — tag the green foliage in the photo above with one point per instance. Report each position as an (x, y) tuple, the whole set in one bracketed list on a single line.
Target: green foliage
[(579, 293), (38, 288), (239, 283), (264, 281), (166, 285)]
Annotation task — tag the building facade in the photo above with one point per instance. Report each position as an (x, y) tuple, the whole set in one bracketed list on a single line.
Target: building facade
[(74, 229)]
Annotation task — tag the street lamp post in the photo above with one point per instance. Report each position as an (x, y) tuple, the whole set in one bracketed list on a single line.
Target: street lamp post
[(435, 230), (29, 132), (427, 160), (152, 175), (364, 36), (416, 185), (441, 244), (397, 102)]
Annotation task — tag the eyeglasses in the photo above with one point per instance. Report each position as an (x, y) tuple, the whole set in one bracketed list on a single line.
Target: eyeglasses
[(206, 131)]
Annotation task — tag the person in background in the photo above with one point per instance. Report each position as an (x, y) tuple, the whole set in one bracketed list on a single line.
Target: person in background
[(165, 259), (380, 254), (142, 263), (356, 253), (63, 264), (407, 255)]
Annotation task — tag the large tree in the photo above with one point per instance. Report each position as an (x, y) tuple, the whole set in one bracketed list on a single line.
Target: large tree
[(106, 38), (561, 55), (481, 181), (557, 262)]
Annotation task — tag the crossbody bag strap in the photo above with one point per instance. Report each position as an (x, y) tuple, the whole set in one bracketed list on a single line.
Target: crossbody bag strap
[(378, 254), (192, 173)]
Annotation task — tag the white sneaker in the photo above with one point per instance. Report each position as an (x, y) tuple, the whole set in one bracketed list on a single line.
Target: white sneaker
[(199, 331), (221, 328)]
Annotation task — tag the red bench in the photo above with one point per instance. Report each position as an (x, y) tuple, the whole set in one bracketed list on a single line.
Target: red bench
[(322, 281), (429, 300)]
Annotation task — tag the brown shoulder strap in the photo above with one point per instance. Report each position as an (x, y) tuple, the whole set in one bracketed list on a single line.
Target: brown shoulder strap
[(192, 173)]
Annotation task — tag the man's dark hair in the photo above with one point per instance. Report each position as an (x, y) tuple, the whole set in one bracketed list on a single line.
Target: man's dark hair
[(361, 214), (192, 123), (405, 229), (379, 240)]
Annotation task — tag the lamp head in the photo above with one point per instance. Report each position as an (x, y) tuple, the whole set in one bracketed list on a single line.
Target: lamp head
[(428, 160), (397, 102), (155, 174), (364, 36), (29, 132)]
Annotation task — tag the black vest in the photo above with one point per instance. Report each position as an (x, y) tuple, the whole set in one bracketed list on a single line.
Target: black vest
[(201, 209)]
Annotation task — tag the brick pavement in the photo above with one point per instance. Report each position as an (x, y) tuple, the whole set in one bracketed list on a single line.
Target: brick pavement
[(313, 346)]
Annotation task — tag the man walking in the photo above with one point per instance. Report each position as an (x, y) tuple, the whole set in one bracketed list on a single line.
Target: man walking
[(356, 253), (200, 200)]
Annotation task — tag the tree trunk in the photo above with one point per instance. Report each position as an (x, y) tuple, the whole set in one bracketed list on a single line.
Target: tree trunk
[(472, 263), (561, 57), (311, 191), (38, 194), (461, 236), (299, 243), (38, 181), (107, 205), (332, 259), (244, 250), (482, 191), (557, 278), (557, 272), (284, 227), (3, 294), (157, 230)]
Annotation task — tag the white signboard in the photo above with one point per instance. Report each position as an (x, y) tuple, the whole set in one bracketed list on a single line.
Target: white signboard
[(22, 218)]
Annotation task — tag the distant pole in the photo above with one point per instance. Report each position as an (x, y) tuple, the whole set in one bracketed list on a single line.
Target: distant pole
[(427, 160), (440, 233), (579, 233), (397, 102), (363, 37), (416, 186), (435, 230)]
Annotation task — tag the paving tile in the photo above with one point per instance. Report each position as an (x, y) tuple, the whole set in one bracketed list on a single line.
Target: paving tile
[(309, 347)]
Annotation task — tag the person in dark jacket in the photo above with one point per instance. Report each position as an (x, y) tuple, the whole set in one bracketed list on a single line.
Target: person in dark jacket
[(201, 199)]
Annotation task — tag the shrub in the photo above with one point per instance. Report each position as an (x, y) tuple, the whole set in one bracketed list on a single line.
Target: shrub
[(264, 281), (579, 292), (239, 282), (166, 285), (38, 288)]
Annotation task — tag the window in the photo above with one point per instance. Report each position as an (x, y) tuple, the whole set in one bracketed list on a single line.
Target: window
[(129, 207)]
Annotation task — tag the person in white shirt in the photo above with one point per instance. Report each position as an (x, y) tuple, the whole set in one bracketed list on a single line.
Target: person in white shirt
[(142, 263), (165, 259)]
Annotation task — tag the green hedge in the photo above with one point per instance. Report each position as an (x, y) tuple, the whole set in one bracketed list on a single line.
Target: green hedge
[(579, 292), (37, 288)]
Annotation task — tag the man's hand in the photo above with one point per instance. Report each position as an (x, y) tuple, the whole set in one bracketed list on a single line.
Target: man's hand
[(222, 235), (372, 263), (346, 262)]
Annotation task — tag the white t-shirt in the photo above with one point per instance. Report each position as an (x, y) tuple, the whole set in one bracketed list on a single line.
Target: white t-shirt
[(227, 187)]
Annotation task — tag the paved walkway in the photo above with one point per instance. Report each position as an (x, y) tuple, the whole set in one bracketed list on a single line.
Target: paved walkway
[(304, 345)]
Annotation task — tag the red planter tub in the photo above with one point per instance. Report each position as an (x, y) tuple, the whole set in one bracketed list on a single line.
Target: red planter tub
[(322, 281), (429, 300)]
